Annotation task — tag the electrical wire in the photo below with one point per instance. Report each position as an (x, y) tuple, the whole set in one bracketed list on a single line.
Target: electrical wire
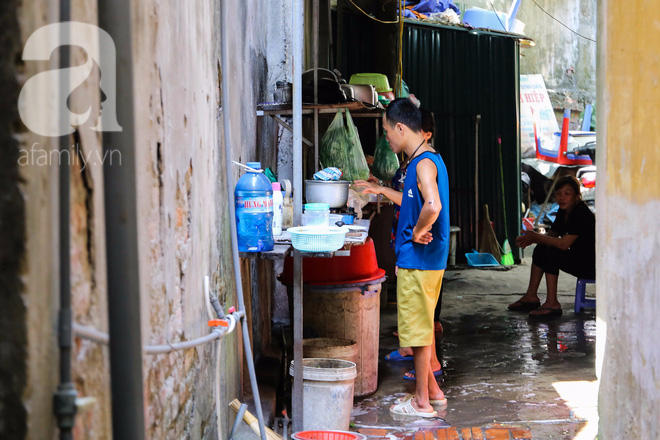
[(551, 16), (374, 18), (398, 87)]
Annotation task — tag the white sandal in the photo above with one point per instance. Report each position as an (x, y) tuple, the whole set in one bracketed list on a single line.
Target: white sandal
[(406, 409), (438, 402)]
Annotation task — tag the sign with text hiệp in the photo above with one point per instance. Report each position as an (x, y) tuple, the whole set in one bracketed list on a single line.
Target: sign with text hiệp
[(538, 123)]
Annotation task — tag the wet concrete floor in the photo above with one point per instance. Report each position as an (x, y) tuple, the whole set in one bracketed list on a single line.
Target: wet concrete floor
[(499, 367)]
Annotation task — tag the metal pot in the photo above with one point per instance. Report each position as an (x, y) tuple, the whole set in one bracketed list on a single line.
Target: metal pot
[(361, 92), (334, 193)]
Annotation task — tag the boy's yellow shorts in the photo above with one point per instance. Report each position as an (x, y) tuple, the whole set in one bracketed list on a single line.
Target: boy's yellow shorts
[(417, 293)]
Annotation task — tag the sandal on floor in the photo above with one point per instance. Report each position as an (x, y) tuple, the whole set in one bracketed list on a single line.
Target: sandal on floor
[(521, 306), (406, 409), (551, 313), (436, 373), (395, 356), (439, 402)]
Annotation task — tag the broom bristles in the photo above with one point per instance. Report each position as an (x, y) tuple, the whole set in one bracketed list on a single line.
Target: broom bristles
[(489, 243)]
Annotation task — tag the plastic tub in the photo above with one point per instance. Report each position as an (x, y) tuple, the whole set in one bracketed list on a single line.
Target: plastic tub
[(377, 80), (334, 218), (327, 393), (316, 215), (482, 259)]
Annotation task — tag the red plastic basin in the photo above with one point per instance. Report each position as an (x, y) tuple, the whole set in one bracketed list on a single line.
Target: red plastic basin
[(326, 435), (359, 267)]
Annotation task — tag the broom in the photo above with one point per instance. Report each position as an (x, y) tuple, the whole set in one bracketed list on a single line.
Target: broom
[(253, 423), (507, 255), (488, 243)]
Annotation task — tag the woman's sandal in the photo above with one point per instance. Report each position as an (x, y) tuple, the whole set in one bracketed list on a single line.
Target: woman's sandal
[(551, 313), (438, 402), (521, 306)]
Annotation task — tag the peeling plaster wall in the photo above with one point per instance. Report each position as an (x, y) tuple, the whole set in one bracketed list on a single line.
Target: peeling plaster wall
[(183, 219), (178, 203), (628, 239)]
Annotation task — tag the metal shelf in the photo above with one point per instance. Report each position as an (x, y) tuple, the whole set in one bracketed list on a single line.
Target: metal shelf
[(357, 109)]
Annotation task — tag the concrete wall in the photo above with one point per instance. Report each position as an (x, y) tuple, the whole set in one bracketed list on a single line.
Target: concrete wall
[(182, 208), (628, 240), (566, 61)]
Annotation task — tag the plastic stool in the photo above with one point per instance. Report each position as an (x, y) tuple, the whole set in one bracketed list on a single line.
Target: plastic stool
[(580, 301)]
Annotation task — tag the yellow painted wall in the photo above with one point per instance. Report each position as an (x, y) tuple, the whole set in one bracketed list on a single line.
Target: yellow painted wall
[(632, 84), (627, 219)]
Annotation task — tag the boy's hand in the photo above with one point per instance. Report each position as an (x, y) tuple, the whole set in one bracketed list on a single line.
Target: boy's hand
[(369, 186), (422, 236)]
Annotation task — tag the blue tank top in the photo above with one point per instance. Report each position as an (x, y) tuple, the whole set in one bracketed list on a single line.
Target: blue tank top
[(432, 256)]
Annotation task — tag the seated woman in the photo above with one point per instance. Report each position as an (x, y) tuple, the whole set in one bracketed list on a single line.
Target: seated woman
[(570, 245)]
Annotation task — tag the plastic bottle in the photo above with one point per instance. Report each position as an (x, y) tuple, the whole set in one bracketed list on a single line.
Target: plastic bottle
[(254, 211), (278, 207)]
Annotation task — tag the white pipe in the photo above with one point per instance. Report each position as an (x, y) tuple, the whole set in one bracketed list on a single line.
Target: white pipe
[(100, 337)]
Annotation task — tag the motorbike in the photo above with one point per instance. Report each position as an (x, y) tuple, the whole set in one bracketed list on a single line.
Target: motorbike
[(587, 175)]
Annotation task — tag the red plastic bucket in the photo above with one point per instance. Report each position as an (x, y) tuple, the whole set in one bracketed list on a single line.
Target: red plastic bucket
[(361, 266), (327, 435)]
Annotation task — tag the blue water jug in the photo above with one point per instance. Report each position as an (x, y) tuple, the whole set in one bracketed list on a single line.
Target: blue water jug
[(254, 211)]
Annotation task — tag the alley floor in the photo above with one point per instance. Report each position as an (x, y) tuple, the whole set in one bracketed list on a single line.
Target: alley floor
[(504, 375)]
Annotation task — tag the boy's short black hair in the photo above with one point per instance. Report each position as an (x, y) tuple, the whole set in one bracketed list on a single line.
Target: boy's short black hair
[(428, 122), (571, 181), (403, 111)]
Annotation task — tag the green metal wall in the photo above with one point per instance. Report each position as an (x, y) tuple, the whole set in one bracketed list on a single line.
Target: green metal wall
[(459, 74)]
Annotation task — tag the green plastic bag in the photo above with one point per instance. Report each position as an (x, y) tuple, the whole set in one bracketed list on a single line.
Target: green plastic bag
[(385, 161), (341, 148)]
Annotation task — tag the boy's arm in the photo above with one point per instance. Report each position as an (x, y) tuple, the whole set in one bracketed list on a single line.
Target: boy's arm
[(427, 182)]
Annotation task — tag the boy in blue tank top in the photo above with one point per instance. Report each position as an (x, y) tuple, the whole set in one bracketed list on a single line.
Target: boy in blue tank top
[(422, 247)]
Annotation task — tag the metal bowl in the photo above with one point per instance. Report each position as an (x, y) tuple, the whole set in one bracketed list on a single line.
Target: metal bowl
[(334, 193)]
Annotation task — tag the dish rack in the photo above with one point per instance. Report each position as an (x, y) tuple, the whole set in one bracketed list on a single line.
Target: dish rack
[(308, 239)]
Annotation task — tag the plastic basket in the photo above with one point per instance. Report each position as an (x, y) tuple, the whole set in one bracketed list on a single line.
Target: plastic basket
[(481, 259), (328, 435), (308, 239), (378, 80)]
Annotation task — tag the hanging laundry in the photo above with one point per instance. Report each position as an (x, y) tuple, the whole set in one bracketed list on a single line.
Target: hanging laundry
[(420, 9)]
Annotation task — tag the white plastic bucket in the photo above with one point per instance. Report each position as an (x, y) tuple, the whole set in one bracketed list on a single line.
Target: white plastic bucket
[(327, 393)]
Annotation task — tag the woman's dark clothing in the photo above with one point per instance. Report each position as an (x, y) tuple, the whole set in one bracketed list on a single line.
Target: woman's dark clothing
[(397, 184), (580, 259)]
